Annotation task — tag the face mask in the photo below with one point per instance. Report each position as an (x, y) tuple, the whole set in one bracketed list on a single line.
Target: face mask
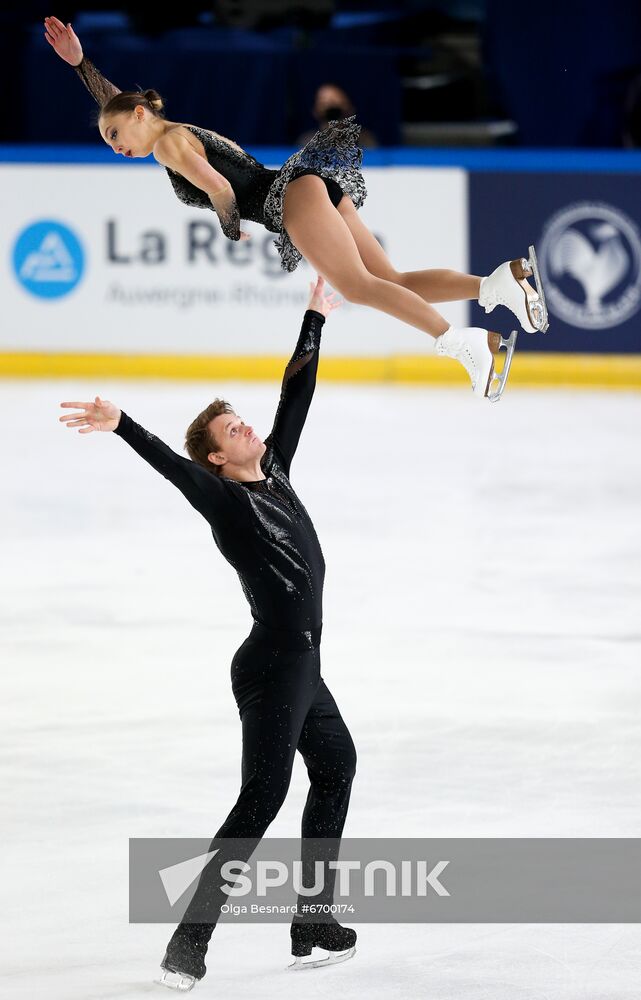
[(329, 114)]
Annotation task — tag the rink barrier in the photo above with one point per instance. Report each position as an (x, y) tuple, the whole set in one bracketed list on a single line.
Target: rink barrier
[(589, 371), (536, 161), (613, 370)]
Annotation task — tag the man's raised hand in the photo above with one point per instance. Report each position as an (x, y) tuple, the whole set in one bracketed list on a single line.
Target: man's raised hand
[(101, 415), (322, 301), (64, 40)]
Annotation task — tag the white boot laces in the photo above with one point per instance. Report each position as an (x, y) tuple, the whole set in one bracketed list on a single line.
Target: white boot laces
[(460, 350), (491, 300), (465, 356)]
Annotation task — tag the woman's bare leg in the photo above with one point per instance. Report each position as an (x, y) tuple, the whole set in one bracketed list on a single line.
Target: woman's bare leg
[(442, 284), (433, 285), (324, 238)]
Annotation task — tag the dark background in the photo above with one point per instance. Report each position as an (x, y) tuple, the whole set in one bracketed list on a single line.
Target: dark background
[(457, 73)]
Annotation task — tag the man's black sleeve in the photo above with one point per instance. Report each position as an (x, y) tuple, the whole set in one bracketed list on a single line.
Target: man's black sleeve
[(299, 382), (204, 490)]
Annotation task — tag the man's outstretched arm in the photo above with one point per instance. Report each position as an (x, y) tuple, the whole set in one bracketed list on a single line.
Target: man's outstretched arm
[(299, 380), (201, 488)]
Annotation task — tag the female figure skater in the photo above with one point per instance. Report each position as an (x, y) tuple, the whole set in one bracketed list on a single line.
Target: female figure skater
[(312, 203), (241, 486)]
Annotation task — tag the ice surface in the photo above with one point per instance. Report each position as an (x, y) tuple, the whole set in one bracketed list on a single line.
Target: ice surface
[(482, 637)]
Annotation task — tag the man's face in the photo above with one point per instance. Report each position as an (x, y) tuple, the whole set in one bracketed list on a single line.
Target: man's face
[(237, 442)]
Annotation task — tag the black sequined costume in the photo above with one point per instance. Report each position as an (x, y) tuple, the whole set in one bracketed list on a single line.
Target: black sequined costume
[(263, 530), (260, 527), (332, 153)]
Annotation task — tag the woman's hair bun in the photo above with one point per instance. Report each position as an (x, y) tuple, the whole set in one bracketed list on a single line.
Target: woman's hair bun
[(154, 99)]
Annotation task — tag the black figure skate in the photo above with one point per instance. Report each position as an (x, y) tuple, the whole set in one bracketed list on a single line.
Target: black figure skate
[(339, 941), (174, 980), (184, 955)]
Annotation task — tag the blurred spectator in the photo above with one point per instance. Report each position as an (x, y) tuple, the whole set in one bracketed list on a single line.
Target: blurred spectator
[(332, 102)]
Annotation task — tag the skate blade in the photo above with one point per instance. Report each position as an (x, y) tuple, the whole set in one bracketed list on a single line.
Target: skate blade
[(494, 392), (521, 271), (543, 322), (179, 981), (321, 963)]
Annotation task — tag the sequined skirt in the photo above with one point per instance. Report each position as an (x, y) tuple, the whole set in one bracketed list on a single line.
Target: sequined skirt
[(332, 153)]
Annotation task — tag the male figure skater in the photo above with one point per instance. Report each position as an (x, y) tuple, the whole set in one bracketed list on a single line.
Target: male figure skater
[(241, 485)]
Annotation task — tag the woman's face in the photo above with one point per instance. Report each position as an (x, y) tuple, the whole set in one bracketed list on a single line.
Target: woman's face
[(128, 132)]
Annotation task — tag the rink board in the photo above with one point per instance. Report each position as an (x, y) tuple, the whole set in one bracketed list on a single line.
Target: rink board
[(96, 281), (146, 275), (580, 371)]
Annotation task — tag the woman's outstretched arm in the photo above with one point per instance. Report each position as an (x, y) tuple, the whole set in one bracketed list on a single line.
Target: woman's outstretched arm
[(98, 85), (66, 43), (174, 151)]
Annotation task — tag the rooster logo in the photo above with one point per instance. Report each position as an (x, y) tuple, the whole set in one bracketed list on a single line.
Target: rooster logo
[(599, 270), (598, 249)]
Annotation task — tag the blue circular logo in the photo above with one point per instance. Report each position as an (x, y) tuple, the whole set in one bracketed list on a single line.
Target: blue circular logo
[(48, 259)]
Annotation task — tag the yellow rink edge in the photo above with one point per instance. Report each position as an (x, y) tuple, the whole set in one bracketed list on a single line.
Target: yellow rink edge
[(608, 371)]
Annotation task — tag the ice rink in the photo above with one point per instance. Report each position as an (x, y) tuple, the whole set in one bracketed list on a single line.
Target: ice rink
[(482, 637)]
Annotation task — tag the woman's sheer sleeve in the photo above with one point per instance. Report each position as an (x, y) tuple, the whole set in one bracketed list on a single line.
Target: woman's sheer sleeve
[(226, 208), (299, 382), (204, 490), (100, 88)]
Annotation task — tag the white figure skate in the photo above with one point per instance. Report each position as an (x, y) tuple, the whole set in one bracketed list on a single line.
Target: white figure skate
[(507, 286), (173, 980), (469, 345)]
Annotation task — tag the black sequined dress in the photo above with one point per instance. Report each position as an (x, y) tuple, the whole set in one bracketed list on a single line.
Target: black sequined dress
[(332, 153)]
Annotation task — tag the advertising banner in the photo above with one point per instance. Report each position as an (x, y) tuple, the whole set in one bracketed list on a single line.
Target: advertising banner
[(587, 231), (102, 258)]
